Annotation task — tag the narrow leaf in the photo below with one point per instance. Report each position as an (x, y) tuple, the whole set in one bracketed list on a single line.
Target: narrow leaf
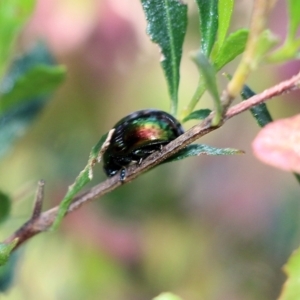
[(200, 114), (82, 179), (5, 250), (209, 75), (225, 8), (13, 14), (38, 81), (5, 206), (266, 41), (291, 288), (167, 22), (201, 149), (259, 112), (8, 271), (233, 46), (18, 112), (167, 296), (208, 11), (294, 17)]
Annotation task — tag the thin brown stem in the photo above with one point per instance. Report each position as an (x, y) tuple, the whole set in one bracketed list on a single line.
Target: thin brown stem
[(42, 222), (38, 203)]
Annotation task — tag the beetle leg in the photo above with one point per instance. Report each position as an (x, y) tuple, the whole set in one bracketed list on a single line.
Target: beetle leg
[(122, 174)]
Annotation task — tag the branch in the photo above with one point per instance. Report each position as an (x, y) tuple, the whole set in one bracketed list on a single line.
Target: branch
[(42, 222)]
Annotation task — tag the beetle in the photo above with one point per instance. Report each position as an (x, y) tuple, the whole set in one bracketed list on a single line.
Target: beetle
[(136, 136)]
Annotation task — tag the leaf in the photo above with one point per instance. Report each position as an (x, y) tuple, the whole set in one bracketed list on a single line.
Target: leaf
[(267, 40), (200, 149), (5, 250), (291, 288), (209, 75), (21, 112), (208, 12), (294, 17), (13, 14), (260, 112), (8, 271), (5, 206), (225, 8), (167, 296), (233, 46), (200, 114), (167, 22), (84, 177), (39, 81), (277, 144)]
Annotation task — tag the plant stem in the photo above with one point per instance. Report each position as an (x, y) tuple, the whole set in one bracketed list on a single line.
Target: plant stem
[(46, 219)]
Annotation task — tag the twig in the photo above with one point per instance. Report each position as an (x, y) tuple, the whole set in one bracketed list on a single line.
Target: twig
[(37, 208), (42, 222)]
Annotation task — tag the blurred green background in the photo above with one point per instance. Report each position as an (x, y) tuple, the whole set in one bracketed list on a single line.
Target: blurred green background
[(204, 228)]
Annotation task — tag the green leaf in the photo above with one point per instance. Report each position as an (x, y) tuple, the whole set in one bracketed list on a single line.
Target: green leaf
[(167, 22), (21, 112), (39, 81), (225, 8), (294, 17), (267, 40), (13, 14), (260, 112), (5, 206), (290, 49), (81, 180), (200, 114), (167, 296), (200, 149), (8, 271), (291, 288), (208, 12), (233, 46), (5, 250), (209, 75)]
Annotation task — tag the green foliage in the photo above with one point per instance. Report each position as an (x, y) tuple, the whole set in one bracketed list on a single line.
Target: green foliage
[(290, 48), (13, 15), (266, 42), (200, 114), (233, 46), (167, 296), (259, 112), (7, 271), (225, 8), (209, 76), (24, 91), (167, 22), (38, 81), (294, 18), (85, 176), (5, 250), (291, 289), (200, 149), (5, 206), (215, 18), (208, 14)]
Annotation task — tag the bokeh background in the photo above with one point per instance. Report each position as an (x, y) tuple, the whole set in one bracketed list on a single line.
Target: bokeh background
[(204, 228)]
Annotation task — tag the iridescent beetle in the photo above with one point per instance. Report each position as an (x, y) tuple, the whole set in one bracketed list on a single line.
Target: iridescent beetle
[(138, 135)]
